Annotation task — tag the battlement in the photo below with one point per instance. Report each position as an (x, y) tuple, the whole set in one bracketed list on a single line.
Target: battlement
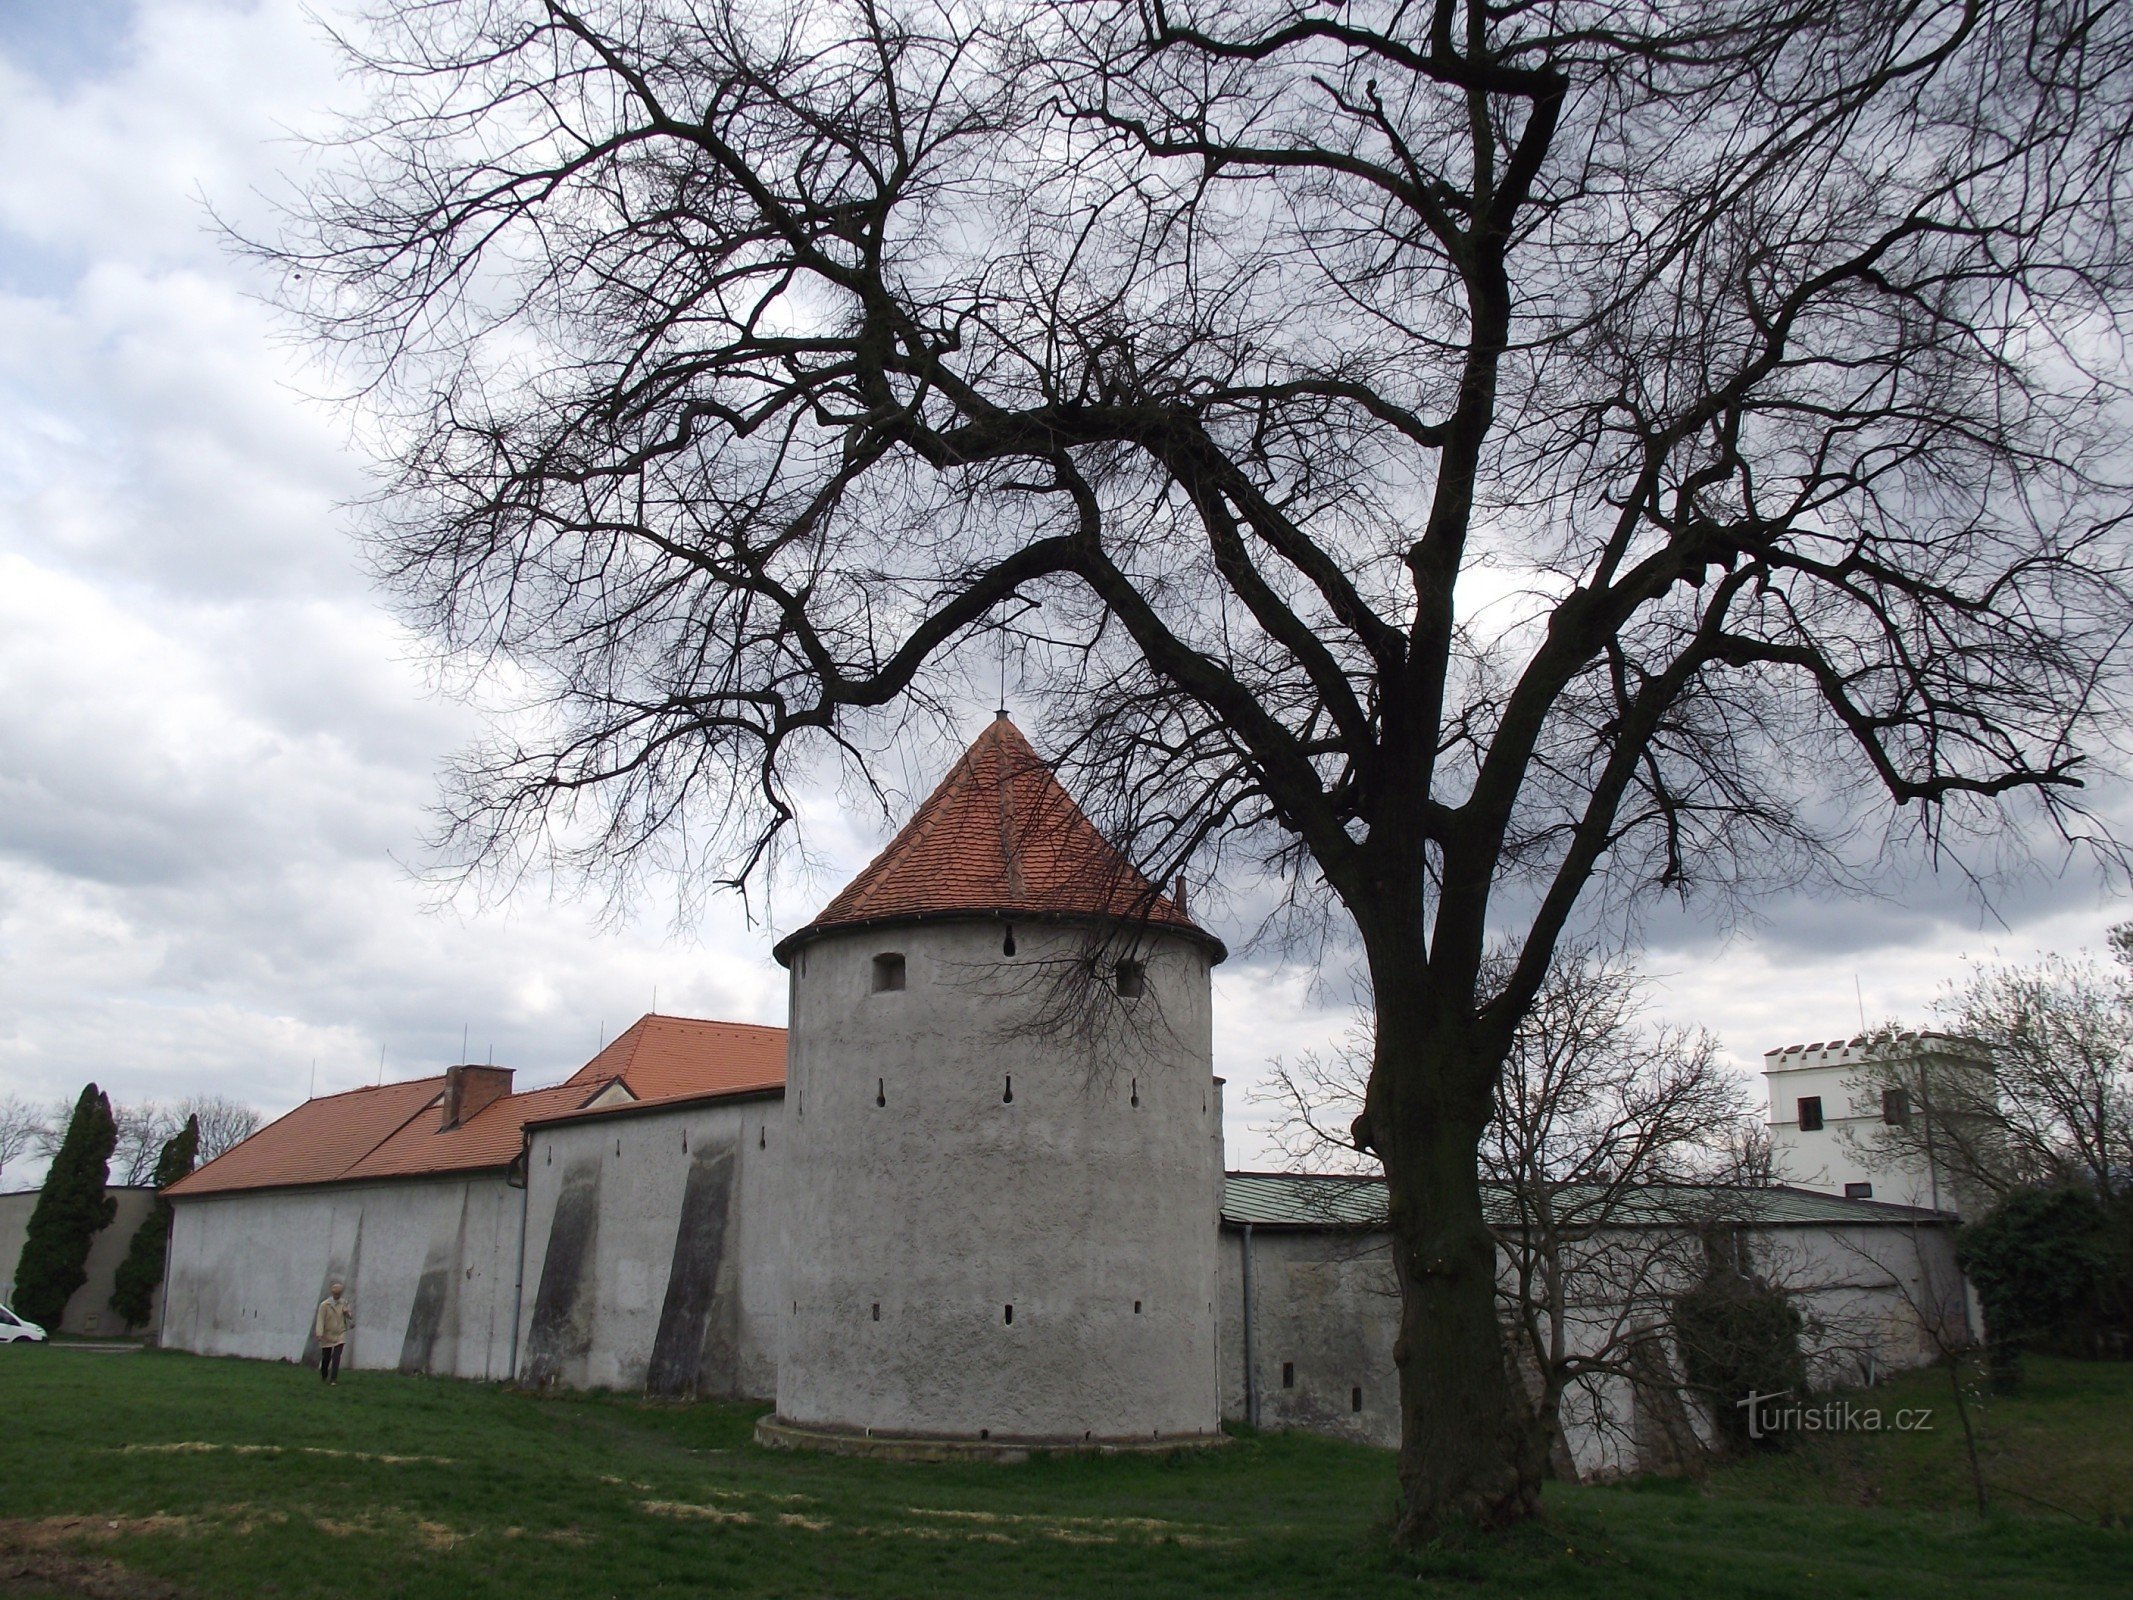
[(1866, 1047)]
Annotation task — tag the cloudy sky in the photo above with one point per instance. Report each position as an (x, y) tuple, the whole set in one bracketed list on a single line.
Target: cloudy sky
[(215, 749)]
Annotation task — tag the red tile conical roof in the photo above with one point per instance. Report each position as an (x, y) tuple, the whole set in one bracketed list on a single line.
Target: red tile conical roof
[(999, 837)]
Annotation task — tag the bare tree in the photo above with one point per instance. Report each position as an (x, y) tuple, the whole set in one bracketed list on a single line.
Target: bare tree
[(224, 1123), (49, 1130), (1939, 1306), (2048, 1098), (1940, 1124), (1455, 456), (21, 1127), (2061, 1035), (1618, 1146), (144, 1127)]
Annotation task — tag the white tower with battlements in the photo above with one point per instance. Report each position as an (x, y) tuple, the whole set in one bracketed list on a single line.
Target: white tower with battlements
[(1877, 1117)]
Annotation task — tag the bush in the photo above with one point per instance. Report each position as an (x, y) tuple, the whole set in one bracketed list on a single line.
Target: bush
[(71, 1211), (133, 1292), (1739, 1338), (2115, 1294), (2038, 1261)]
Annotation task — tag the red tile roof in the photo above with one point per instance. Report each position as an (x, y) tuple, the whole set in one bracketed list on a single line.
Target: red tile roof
[(666, 1058), (488, 1139), (317, 1142), (393, 1132), (1000, 836)]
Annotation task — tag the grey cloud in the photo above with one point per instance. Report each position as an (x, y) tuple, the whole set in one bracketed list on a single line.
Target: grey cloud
[(215, 750)]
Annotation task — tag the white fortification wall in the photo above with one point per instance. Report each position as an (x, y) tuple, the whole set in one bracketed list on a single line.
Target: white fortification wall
[(922, 1202), (652, 1251), (429, 1264), (1324, 1313)]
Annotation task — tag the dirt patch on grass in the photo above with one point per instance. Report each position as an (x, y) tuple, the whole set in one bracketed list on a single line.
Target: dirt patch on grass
[(34, 1553), (965, 1527), (51, 1533), (391, 1520), (187, 1447), (1087, 1530), (689, 1511)]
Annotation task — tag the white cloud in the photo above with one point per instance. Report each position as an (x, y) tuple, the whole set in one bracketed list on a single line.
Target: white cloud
[(215, 749)]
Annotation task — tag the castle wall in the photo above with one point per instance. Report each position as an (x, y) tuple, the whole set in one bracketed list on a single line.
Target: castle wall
[(429, 1266), (89, 1307), (1325, 1307), (999, 1223), (652, 1253), (1876, 1298)]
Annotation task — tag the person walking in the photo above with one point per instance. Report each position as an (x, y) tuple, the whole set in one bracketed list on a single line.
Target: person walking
[(330, 1328)]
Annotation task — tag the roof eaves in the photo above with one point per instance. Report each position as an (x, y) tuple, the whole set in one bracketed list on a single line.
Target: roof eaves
[(680, 1102), (343, 1179), (782, 951)]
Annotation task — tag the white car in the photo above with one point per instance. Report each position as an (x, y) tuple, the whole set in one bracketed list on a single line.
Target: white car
[(14, 1328)]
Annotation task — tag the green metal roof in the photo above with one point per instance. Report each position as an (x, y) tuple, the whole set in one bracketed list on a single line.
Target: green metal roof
[(1331, 1200)]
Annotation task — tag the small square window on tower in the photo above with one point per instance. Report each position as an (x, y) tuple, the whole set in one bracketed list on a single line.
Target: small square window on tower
[(1858, 1191), (1131, 980), (888, 972), (1896, 1107), (1810, 1110)]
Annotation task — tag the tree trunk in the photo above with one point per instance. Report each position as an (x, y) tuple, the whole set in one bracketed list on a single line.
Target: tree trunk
[(1467, 1447)]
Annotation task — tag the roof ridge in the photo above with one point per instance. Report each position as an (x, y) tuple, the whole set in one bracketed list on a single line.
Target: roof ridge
[(711, 1022)]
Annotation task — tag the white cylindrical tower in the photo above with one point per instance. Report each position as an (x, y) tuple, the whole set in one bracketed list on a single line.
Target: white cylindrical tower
[(1003, 1143)]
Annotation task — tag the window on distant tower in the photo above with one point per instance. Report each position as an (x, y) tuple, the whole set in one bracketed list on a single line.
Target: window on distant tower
[(1131, 979), (888, 973), (1896, 1107), (1810, 1106), (1858, 1191)]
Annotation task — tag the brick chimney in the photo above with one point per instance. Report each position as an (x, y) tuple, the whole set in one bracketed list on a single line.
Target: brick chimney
[(468, 1089)]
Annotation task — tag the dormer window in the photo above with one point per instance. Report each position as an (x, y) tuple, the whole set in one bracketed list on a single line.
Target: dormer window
[(1131, 980), (888, 972)]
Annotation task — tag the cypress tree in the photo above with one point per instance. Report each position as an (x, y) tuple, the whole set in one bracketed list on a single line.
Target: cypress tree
[(133, 1292), (71, 1210)]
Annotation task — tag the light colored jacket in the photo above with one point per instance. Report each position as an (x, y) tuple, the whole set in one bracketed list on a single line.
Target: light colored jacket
[(331, 1325)]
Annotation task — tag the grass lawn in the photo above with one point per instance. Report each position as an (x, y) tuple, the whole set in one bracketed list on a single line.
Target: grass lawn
[(157, 1475)]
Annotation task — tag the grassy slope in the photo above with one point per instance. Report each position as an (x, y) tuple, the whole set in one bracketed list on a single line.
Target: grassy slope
[(511, 1495)]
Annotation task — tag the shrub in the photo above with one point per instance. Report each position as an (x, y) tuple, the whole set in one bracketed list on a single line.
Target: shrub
[(134, 1290), (2038, 1261), (71, 1211), (1739, 1337)]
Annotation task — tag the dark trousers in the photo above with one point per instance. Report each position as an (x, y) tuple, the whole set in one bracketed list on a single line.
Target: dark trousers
[(329, 1362)]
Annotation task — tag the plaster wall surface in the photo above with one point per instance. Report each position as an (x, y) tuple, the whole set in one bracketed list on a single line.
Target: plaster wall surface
[(429, 1264), (1876, 1298), (652, 1253), (89, 1307), (1325, 1313), (997, 1227)]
